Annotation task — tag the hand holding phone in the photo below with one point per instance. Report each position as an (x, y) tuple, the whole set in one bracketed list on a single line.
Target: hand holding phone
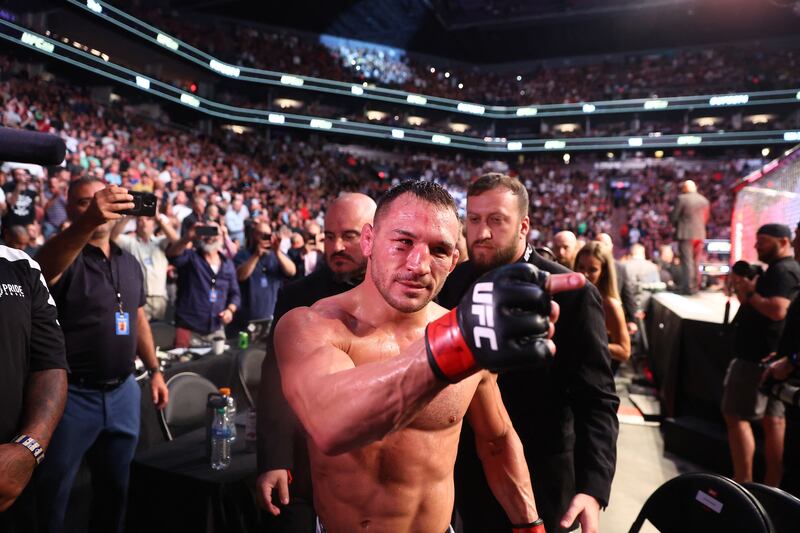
[(144, 204)]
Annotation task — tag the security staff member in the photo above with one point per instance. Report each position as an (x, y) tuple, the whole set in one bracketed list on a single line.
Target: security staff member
[(566, 415), (281, 441), (33, 383), (98, 289), (788, 365)]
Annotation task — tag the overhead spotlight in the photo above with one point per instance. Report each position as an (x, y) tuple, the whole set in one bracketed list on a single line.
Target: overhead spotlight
[(460, 85), (446, 74), (765, 152), (519, 78), (566, 159), (433, 70), (610, 155), (659, 153)]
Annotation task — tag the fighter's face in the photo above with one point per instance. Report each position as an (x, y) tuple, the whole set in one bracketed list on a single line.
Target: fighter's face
[(495, 231), (412, 249), (589, 266)]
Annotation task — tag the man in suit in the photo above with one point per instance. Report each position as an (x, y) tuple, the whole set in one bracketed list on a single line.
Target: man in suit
[(282, 452), (689, 217), (565, 415)]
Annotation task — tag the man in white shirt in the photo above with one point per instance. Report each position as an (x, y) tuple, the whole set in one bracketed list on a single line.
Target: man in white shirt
[(149, 252), (235, 217)]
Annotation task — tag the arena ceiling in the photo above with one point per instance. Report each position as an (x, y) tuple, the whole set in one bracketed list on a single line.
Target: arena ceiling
[(498, 31)]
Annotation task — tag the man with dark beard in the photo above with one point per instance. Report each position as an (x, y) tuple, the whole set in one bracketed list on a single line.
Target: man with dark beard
[(281, 442), (566, 414), (208, 292)]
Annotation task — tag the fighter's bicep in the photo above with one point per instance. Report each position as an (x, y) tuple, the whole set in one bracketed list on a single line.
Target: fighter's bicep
[(306, 352), (486, 413)]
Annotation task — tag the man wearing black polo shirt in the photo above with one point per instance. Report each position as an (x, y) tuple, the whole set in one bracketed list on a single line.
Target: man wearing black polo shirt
[(33, 383), (98, 289), (764, 301)]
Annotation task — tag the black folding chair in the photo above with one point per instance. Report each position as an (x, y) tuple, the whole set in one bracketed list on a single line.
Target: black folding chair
[(186, 410), (249, 364), (703, 503), (782, 508), (163, 334)]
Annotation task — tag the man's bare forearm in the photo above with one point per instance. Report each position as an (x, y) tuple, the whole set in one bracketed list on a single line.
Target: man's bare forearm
[(57, 254), (176, 248), (354, 407), (245, 270), (507, 473), (287, 265), (166, 226), (45, 397)]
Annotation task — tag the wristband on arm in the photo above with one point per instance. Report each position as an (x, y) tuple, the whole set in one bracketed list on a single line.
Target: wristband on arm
[(537, 526), (32, 445)]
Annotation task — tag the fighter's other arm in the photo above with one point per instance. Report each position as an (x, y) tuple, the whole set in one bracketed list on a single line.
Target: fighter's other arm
[(500, 451), (342, 406)]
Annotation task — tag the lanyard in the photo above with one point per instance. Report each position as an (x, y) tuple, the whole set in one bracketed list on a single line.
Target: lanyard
[(114, 283)]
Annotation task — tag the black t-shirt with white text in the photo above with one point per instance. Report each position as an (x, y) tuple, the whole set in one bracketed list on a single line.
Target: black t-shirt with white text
[(30, 337), (23, 211)]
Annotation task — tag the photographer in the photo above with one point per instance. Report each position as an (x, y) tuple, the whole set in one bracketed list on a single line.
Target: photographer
[(787, 366), (149, 251), (261, 270), (208, 293), (764, 301)]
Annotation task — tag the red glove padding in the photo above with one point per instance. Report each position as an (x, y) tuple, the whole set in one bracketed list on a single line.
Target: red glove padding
[(534, 527)]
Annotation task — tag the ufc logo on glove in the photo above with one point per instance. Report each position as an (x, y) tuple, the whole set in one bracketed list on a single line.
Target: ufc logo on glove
[(482, 308)]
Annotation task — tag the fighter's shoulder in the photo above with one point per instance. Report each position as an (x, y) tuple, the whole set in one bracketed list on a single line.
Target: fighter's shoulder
[(323, 315)]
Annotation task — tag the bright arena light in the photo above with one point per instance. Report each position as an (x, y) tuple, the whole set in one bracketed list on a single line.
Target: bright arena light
[(144, 83), (275, 118), (291, 80), (554, 145), (514, 145), (416, 99)]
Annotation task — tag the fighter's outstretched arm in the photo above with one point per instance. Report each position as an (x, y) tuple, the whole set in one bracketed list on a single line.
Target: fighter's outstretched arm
[(341, 406), (500, 452)]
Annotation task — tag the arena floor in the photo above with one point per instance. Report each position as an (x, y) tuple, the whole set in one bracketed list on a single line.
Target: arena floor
[(642, 467)]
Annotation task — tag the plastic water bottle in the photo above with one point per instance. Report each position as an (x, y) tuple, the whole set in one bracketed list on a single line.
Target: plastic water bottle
[(220, 440), (230, 409)]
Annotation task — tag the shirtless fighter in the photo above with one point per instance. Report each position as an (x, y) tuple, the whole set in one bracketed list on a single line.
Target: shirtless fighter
[(381, 377)]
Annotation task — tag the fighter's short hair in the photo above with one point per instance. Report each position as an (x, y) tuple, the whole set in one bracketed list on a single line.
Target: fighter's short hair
[(428, 191)]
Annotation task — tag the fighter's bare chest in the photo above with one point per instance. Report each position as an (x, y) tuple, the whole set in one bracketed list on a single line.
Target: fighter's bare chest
[(445, 410)]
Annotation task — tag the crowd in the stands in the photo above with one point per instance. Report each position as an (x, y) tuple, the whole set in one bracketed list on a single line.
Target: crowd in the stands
[(287, 181), (642, 75)]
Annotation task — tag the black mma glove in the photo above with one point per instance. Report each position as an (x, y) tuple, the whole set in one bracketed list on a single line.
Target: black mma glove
[(500, 324)]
